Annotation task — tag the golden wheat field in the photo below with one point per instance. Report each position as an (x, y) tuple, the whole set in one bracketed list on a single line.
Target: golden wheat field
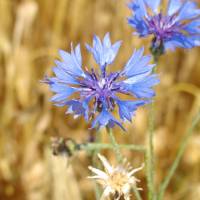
[(31, 32)]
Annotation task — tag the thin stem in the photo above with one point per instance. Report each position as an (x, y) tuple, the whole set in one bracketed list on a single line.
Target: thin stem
[(149, 157), (180, 152), (93, 146), (137, 194), (115, 145), (95, 152), (150, 154)]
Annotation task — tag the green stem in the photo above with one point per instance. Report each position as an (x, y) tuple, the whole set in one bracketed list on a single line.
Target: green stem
[(150, 155), (176, 162), (115, 145), (150, 150), (95, 152), (93, 146), (137, 194)]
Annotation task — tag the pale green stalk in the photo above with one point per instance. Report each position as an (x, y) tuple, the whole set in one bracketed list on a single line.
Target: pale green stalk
[(137, 194), (176, 162), (149, 157), (95, 152), (115, 145), (93, 146)]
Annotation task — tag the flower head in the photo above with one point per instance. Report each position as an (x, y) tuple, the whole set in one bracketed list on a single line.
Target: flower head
[(178, 26), (116, 181), (94, 94)]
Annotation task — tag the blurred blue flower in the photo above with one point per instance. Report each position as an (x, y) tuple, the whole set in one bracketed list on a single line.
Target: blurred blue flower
[(178, 26), (94, 94)]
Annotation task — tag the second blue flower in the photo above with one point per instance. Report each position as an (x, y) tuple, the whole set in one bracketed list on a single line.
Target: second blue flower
[(177, 26)]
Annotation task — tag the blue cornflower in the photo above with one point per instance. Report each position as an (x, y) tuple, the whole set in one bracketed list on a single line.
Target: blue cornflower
[(94, 94), (178, 26)]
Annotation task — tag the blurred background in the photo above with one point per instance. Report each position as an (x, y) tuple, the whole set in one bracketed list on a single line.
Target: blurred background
[(31, 32)]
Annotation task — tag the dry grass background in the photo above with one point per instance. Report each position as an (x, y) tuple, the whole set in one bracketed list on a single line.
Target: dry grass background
[(30, 33)]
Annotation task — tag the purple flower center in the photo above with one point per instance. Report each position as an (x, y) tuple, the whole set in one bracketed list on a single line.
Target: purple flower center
[(163, 27), (101, 88)]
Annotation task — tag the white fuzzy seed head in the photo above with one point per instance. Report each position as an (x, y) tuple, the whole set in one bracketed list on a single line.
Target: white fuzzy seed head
[(116, 181)]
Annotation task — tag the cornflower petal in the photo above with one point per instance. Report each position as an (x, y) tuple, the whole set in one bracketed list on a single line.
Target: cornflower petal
[(71, 62), (105, 119), (104, 53), (188, 11), (173, 6), (153, 4), (128, 108)]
